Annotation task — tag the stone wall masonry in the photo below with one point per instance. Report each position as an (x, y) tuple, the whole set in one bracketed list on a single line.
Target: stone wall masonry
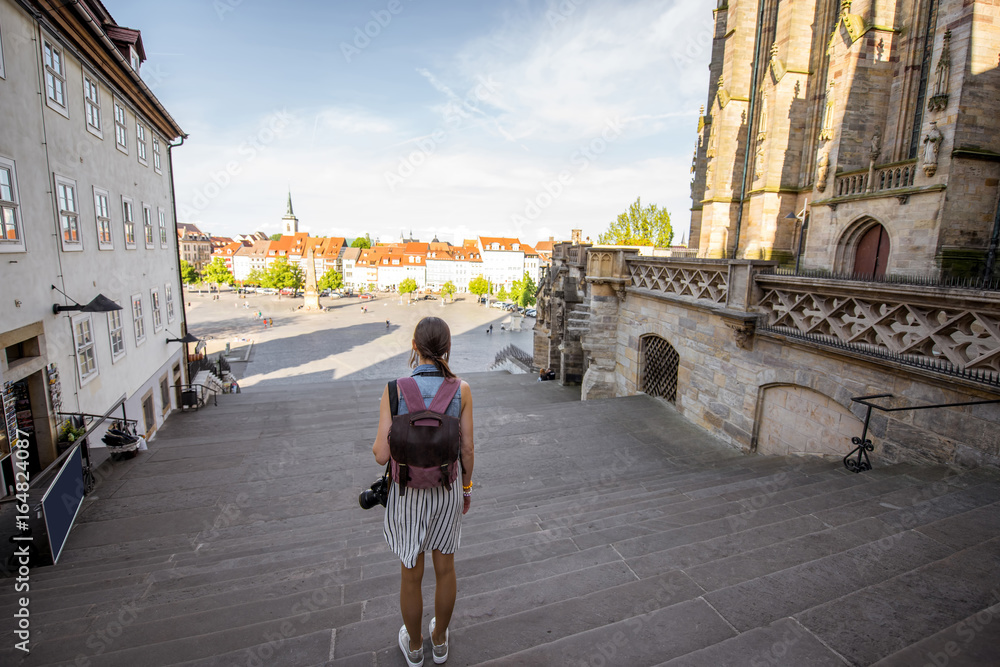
[(783, 396)]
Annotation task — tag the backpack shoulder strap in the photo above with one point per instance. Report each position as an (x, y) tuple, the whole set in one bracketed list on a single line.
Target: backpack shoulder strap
[(445, 394), (411, 393), (393, 398)]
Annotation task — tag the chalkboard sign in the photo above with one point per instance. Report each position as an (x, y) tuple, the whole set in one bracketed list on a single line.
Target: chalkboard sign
[(62, 501)]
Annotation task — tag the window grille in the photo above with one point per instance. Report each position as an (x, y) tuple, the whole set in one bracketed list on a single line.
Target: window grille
[(658, 361)]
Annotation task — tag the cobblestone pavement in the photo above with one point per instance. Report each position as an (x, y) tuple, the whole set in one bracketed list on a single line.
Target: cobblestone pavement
[(343, 342)]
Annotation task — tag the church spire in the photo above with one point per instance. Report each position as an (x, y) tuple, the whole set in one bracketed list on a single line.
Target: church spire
[(291, 225)]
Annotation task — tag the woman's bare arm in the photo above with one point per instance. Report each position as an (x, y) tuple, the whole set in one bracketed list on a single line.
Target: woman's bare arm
[(381, 447), (468, 447)]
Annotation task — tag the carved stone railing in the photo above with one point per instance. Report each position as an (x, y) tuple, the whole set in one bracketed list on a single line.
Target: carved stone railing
[(573, 253), (699, 279), (887, 177), (950, 330)]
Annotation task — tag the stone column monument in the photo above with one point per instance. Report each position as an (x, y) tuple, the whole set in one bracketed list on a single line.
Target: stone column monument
[(311, 301)]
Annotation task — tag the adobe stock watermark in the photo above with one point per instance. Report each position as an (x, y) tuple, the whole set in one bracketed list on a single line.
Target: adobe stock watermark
[(363, 35), (426, 146), (695, 45), (223, 7), (966, 632), (561, 12), (552, 189), (249, 149)]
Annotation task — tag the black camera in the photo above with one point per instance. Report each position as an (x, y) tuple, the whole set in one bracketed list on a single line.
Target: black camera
[(378, 494)]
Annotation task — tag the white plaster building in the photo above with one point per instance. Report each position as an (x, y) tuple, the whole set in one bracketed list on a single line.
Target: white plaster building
[(86, 209), (503, 260)]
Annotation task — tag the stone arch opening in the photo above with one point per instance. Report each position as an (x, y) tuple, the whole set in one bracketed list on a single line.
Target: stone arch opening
[(864, 249), (658, 363)]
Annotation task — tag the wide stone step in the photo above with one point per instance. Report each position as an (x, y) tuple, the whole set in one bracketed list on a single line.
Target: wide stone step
[(611, 530)]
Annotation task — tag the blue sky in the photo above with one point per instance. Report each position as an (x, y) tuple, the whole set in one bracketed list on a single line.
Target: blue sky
[(509, 118)]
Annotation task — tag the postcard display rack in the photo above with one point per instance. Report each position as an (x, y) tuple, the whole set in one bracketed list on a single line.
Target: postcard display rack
[(55, 388), (10, 412)]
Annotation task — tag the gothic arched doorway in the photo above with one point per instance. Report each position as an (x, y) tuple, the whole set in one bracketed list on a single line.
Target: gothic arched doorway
[(872, 253), (658, 361)]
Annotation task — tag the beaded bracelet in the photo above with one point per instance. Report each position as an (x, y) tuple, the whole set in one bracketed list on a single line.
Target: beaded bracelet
[(467, 494), (467, 488)]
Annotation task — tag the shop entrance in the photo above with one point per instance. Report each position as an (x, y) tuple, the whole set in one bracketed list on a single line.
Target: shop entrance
[(19, 415)]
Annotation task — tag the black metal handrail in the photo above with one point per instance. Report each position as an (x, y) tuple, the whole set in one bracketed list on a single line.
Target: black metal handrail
[(515, 353), (945, 281), (201, 397), (863, 445)]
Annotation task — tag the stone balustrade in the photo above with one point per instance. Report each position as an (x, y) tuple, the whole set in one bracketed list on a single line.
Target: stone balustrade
[(699, 279), (946, 329), (887, 177)]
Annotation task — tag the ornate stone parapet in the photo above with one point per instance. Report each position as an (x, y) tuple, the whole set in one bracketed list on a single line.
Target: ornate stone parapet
[(940, 329)]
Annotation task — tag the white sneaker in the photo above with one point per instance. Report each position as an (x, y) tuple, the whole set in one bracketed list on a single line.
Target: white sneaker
[(440, 653), (413, 658)]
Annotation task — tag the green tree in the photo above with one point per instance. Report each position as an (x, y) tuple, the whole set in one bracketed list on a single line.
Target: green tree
[(360, 242), (330, 280), (255, 278), (281, 275), (275, 237), (502, 293), (640, 226), (479, 286), (217, 272), (523, 291), (189, 275), (448, 290), (408, 285)]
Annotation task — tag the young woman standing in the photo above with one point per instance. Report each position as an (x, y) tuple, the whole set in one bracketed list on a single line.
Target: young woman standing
[(427, 519)]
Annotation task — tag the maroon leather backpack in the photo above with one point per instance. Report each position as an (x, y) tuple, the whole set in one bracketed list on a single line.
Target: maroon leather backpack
[(425, 443)]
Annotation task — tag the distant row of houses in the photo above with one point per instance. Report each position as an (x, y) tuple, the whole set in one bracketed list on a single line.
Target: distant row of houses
[(430, 264)]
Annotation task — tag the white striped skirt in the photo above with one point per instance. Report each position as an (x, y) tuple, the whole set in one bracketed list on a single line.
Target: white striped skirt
[(423, 520)]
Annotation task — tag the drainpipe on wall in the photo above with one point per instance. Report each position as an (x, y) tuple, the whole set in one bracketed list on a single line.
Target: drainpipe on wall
[(173, 205), (750, 119)]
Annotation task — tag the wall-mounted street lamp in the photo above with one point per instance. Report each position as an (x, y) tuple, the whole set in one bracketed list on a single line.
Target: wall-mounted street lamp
[(99, 304), (802, 221), (188, 338)]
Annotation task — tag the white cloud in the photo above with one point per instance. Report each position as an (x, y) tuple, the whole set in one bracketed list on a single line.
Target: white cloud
[(515, 109)]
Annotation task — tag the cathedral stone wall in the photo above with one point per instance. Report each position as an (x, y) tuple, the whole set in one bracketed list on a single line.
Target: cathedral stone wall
[(798, 398), (847, 92)]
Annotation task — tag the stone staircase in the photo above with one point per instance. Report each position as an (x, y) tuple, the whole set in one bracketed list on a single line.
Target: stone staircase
[(606, 532)]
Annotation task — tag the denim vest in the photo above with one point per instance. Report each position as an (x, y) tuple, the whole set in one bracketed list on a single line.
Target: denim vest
[(429, 384)]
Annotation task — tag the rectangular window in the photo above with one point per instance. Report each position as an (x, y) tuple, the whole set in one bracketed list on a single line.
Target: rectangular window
[(156, 155), (154, 308), (92, 105), (83, 338), (116, 327), (102, 211), (11, 236), (168, 298), (147, 225), (69, 214), (140, 142), (121, 130), (163, 227), (128, 222), (137, 322), (55, 77)]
